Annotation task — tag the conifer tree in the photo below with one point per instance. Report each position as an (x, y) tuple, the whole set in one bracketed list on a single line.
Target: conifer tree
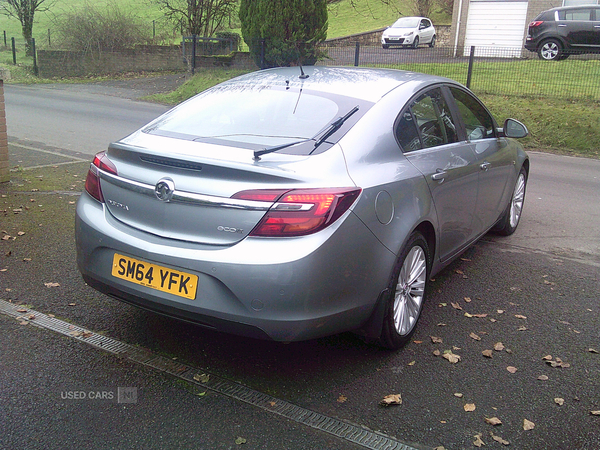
[(290, 29)]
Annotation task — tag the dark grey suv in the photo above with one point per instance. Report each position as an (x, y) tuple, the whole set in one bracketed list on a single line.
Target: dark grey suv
[(560, 32)]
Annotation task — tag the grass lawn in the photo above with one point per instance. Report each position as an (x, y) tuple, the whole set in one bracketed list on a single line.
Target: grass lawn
[(556, 125)]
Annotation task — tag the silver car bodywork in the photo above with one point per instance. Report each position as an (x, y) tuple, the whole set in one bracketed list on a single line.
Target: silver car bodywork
[(172, 203)]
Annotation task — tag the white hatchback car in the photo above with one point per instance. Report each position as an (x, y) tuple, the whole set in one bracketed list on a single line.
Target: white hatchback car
[(409, 32)]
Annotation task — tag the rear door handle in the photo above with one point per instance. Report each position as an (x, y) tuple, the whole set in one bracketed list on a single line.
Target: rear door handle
[(439, 175), (485, 166)]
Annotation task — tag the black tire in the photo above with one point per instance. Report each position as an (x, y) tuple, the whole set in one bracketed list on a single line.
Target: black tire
[(432, 43), (406, 293), (509, 221), (550, 50), (415, 42)]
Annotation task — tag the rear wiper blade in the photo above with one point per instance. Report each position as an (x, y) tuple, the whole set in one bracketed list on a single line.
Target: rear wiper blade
[(335, 125), (264, 151)]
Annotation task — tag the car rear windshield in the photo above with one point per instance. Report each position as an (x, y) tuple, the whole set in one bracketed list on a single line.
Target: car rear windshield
[(253, 116)]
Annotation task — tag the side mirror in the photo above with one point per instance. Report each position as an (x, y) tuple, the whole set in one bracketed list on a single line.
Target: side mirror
[(513, 129)]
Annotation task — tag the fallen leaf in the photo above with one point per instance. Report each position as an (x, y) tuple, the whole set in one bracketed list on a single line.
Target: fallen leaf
[(436, 353), (240, 441), (474, 336), (468, 315), (72, 304), (478, 442), (412, 363), (418, 342), (595, 413), (467, 299), (392, 399), (441, 324), (436, 340), (201, 394), (542, 378), (547, 358), (22, 310), (500, 311), (511, 369), (21, 233), (592, 350), (522, 329), (520, 316), (272, 403), (456, 305), (342, 399), (528, 425), (498, 346), (487, 353), (51, 285), (479, 316), (559, 401), (202, 378), (499, 439), (493, 421), (469, 407), (451, 357), (458, 394)]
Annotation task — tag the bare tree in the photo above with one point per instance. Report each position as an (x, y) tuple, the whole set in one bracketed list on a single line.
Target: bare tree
[(24, 11), (199, 17)]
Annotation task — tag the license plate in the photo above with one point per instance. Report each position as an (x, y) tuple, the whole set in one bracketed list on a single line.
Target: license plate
[(154, 276)]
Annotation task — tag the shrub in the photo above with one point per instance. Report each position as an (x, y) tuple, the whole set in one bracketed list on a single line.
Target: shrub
[(290, 30), (93, 30)]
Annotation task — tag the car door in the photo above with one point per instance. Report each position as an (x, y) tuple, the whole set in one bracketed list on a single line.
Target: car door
[(425, 31), (492, 157), (427, 134), (577, 27), (596, 28)]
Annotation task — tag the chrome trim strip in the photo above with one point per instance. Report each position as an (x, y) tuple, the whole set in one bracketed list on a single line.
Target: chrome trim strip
[(185, 197)]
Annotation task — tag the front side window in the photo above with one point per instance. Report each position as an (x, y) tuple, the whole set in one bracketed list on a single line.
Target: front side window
[(427, 123), (478, 122)]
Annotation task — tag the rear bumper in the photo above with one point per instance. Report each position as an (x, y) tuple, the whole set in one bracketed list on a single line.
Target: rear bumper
[(280, 289)]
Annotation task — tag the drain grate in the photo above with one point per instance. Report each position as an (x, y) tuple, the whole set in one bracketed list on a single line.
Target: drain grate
[(353, 433)]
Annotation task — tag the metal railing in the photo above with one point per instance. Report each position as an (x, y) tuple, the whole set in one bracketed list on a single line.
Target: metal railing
[(485, 70)]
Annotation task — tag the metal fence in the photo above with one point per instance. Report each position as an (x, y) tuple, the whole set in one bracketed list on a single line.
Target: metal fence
[(485, 70)]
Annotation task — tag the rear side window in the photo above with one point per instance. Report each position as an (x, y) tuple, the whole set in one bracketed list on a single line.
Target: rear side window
[(478, 122), (575, 14), (426, 123)]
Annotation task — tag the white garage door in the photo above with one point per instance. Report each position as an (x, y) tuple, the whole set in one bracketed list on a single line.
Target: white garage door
[(496, 28)]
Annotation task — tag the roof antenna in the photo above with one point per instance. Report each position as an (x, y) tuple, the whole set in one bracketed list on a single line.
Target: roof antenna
[(302, 76)]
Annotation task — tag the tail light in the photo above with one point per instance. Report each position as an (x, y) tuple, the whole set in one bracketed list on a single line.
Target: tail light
[(536, 23), (92, 181), (300, 212)]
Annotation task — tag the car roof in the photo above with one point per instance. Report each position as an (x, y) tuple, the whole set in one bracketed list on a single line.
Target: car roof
[(563, 8), (362, 83)]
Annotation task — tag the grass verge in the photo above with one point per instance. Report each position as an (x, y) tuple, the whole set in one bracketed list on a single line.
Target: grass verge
[(555, 125)]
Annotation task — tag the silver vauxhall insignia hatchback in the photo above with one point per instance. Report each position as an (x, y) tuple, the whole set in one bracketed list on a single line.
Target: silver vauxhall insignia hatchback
[(291, 203)]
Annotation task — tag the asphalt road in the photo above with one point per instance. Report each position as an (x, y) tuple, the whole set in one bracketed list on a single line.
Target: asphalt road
[(81, 117), (536, 292)]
